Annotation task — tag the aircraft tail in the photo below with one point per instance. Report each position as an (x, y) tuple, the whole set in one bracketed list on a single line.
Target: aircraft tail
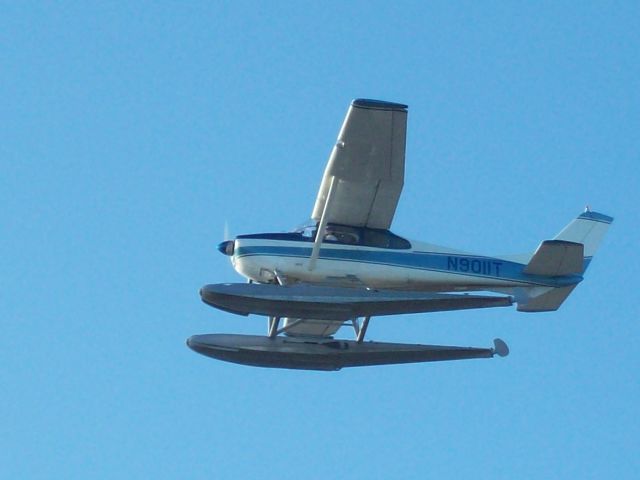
[(569, 253), (542, 299), (588, 229)]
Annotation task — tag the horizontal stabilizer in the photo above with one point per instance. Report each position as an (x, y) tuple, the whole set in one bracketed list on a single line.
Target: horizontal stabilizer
[(555, 258), (547, 302)]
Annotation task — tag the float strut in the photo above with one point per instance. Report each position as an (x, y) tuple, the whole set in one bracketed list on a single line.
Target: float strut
[(363, 329), (274, 323)]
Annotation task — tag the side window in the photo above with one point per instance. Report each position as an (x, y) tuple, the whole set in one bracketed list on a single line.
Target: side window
[(377, 238), (370, 237), (399, 242), (384, 239), (340, 234)]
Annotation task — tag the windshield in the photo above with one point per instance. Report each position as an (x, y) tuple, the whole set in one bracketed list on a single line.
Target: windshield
[(307, 229)]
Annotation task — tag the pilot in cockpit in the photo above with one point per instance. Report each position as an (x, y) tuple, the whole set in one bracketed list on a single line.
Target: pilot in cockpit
[(341, 235)]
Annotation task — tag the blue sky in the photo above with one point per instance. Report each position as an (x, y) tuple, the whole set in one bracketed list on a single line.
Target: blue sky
[(129, 134)]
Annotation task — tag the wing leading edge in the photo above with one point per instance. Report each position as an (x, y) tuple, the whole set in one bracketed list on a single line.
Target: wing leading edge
[(367, 163)]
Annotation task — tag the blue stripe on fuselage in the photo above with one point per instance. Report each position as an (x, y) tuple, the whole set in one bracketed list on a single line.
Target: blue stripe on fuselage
[(457, 264)]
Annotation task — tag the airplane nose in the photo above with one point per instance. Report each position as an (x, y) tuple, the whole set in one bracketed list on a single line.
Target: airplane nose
[(226, 247)]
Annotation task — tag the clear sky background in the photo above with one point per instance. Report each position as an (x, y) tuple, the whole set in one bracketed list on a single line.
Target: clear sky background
[(131, 131)]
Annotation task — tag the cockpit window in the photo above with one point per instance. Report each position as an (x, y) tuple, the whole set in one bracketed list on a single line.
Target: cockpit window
[(368, 237), (343, 234), (383, 239)]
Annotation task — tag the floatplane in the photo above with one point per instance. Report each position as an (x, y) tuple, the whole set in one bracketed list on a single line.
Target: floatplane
[(346, 266)]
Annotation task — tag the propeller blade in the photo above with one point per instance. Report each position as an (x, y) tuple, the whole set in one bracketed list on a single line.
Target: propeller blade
[(227, 236)]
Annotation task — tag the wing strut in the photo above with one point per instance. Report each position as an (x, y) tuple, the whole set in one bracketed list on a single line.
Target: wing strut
[(322, 226)]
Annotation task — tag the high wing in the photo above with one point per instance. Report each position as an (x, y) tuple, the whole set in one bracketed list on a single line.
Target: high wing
[(365, 173), (361, 185)]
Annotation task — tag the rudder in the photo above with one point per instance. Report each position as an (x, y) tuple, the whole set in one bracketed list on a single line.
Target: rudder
[(589, 229)]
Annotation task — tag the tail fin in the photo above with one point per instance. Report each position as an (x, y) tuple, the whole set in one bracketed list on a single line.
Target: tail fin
[(589, 229), (570, 252)]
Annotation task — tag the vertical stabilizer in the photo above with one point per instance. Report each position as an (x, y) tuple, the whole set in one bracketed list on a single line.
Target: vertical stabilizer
[(589, 229), (569, 253)]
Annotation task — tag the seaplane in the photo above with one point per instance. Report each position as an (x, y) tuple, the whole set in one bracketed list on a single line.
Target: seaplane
[(346, 267)]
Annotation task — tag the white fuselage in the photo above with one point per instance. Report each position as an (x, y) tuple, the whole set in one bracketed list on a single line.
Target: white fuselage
[(421, 267)]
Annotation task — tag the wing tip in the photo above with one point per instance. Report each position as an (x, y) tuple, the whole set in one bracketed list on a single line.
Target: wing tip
[(378, 104)]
